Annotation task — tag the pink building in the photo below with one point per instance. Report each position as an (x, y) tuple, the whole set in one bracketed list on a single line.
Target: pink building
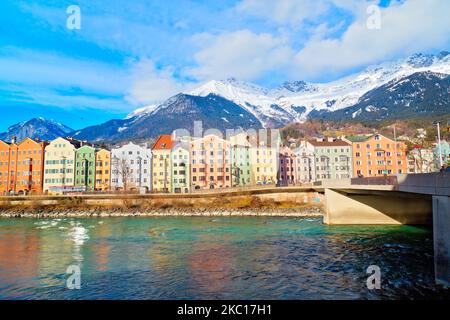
[(287, 166), (210, 163)]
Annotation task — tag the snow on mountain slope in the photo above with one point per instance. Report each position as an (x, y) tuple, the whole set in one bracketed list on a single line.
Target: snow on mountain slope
[(41, 128), (142, 111), (252, 98), (295, 100)]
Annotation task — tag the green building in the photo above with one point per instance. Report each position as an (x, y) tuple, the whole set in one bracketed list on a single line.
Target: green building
[(85, 167), (240, 160)]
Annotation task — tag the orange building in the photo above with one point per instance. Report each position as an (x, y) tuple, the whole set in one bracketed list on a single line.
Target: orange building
[(376, 155), (21, 167), (30, 166), (210, 163), (8, 166), (102, 170), (6, 183)]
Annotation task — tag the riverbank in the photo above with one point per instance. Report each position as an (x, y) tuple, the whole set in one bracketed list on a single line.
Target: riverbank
[(290, 205), (310, 211)]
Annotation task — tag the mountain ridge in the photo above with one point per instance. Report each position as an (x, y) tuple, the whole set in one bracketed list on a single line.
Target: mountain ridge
[(40, 128), (249, 105)]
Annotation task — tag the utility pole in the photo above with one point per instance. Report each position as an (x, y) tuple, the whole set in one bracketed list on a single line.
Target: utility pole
[(439, 144)]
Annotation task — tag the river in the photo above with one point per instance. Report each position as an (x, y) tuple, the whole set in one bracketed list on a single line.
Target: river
[(213, 258)]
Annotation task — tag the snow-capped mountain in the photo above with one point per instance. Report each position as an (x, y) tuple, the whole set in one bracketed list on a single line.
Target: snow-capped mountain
[(296, 100), (36, 128), (400, 89), (142, 111), (232, 103), (178, 112), (420, 94), (252, 98)]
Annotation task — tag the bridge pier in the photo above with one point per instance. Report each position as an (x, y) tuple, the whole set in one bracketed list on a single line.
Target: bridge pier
[(441, 233), (376, 207)]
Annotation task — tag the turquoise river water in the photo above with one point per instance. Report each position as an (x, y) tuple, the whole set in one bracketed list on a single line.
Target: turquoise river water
[(213, 258)]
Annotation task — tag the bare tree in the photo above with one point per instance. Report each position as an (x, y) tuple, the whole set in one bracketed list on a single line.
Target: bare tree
[(123, 171)]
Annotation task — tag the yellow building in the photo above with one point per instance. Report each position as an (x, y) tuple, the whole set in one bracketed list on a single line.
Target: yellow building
[(59, 165), (162, 165), (102, 170), (264, 158)]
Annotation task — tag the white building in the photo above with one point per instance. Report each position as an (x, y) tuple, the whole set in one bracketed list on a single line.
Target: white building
[(59, 166), (131, 167), (421, 160), (180, 167), (306, 168)]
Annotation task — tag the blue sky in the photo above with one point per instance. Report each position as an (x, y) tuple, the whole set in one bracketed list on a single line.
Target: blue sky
[(129, 54)]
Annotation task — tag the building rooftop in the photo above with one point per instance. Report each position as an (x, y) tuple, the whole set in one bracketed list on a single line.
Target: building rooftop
[(329, 143), (358, 138), (181, 144), (164, 142), (362, 138)]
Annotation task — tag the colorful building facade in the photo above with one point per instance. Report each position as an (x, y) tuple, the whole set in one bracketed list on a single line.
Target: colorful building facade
[(102, 170), (306, 165), (85, 167), (264, 158), (59, 165), (210, 163), (240, 160), (180, 174), (30, 166), (376, 155), (7, 168), (421, 160), (333, 158), (131, 168), (162, 164), (442, 154), (287, 166)]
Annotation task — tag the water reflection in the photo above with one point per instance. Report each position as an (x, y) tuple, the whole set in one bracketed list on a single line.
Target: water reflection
[(211, 267), (101, 248), (229, 258), (19, 260)]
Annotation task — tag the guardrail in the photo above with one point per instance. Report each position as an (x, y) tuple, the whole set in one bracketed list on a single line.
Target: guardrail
[(372, 181)]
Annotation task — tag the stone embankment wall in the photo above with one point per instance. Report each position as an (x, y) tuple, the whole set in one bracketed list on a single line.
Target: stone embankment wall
[(264, 204)]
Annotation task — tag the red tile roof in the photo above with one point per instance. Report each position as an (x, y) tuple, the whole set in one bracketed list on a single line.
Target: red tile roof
[(164, 142)]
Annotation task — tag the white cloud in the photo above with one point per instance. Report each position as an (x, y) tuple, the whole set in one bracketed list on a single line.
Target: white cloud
[(412, 26), (242, 54), (152, 85), (289, 12)]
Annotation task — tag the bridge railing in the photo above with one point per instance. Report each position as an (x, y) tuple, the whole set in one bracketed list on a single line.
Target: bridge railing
[(378, 181)]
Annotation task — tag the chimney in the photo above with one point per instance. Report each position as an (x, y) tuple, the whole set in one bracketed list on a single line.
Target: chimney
[(13, 139), (330, 139)]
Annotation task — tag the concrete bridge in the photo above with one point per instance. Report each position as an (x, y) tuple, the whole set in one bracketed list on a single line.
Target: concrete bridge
[(403, 199)]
